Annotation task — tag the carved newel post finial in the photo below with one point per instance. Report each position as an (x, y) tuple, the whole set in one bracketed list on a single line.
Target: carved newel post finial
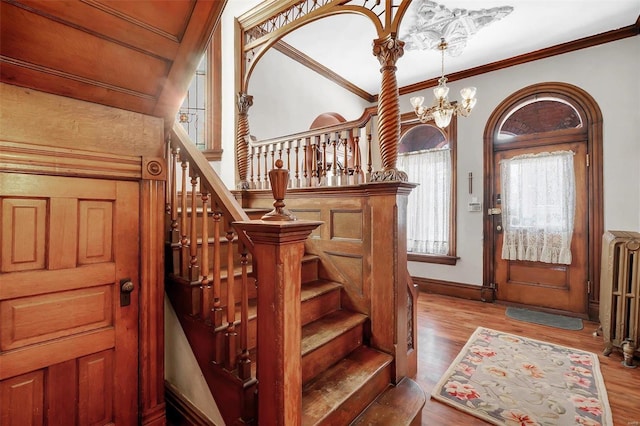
[(279, 178)]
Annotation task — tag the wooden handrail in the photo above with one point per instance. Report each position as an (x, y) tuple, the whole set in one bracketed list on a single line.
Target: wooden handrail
[(362, 121), (219, 192)]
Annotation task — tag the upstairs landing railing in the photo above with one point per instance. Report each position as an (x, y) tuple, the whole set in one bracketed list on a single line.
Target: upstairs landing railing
[(327, 156)]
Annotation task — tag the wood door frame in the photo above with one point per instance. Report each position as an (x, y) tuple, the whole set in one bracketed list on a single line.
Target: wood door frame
[(592, 118)]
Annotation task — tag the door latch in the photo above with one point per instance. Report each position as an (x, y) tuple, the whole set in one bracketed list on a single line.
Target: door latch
[(494, 211), (126, 287)]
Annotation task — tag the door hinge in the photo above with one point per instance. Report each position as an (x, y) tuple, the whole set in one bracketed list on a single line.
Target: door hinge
[(588, 286), (588, 160)]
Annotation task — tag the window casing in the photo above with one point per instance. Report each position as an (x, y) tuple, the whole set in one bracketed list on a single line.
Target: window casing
[(421, 138)]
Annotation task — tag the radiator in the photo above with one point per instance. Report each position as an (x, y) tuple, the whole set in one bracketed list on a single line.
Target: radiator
[(620, 293)]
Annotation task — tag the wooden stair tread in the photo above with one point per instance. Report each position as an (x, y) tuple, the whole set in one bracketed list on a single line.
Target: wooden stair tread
[(397, 406), (336, 385), (327, 328), (315, 288)]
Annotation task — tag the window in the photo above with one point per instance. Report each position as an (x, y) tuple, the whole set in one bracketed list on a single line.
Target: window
[(427, 155), (201, 109)]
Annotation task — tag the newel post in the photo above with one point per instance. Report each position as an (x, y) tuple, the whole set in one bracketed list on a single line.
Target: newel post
[(278, 242)]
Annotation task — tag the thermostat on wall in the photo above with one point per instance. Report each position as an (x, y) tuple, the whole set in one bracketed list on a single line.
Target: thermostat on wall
[(474, 205)]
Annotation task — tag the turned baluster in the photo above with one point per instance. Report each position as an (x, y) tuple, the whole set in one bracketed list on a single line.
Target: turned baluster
[(288, 151), (324, 157), (296, 149), (356, 157), (315, 175), (244, 364), (345, 166), (305, 164), (334, 166), (194, 273), (184, 229), (259, 177), (174, 231), (231, 306), (369, 162), (205, 284), (217, 311), (265, 183), (251, 181)]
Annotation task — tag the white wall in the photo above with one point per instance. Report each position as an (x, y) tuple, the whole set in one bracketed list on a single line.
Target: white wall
[(609, 73)]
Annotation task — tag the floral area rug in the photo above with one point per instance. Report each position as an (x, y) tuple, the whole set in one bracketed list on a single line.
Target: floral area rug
[(511, 380)]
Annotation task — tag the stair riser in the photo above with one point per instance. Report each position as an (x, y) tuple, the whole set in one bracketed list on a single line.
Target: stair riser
[(323, 304), (309, 271), (322, 358)]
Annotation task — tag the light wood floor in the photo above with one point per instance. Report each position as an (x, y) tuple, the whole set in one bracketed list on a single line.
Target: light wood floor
[(445, 324)]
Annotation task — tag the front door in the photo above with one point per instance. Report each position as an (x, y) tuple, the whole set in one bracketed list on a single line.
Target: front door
[(552, 286), (68, 301)]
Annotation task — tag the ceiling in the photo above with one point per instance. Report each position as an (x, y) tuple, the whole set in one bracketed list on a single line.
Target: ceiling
[(532, 25)]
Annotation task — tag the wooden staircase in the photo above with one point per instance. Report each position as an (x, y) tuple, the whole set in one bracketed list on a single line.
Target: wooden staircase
[(344, 379)]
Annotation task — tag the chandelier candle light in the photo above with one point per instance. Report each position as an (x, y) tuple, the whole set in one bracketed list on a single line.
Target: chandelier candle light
[(442, 110)]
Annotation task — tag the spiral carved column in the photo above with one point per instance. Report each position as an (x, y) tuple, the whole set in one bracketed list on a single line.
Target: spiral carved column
[(242, 138), (388, 50)]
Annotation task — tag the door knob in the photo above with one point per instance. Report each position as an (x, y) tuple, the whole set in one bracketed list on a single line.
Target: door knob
[(126, 287), (499, 228)]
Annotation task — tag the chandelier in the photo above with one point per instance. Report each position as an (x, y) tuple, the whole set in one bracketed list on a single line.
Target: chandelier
[(442, 110)]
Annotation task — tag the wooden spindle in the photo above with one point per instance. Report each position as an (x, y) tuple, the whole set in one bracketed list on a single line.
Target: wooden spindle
[(252, 184), (194, 274), (305, 164), (345, 166), (297, 175), (288, 152), (265, 183), (259, 177), (369, 162), (244, 364), (205, 284), (216, 314), (356, 157), (273, 152), (184, 229), (231, 306), (324, 157)]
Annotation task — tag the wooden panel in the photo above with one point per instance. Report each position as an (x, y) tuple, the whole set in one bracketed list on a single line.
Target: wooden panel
[(110, 23), (39, 356), (60, 404), (351, 266), (29, 283), (14, 184), (95, 389), (308, 214), (169, 17), (538, 274), (63, 236), (21, 400), (346, 224), (23, 236), (36, 319), (69, 123), (38, 159), (95, 234), (51, 49)]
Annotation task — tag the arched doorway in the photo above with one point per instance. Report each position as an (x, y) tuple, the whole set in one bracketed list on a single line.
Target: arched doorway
[(532, 256)]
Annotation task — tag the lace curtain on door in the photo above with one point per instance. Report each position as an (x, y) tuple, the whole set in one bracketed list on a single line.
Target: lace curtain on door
[(538, 205), (428, 204)]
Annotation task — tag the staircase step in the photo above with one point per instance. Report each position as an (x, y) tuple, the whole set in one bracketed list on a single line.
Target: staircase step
[(328, 339), (399, 405), (319, 298), (337, 395), (309, 268)]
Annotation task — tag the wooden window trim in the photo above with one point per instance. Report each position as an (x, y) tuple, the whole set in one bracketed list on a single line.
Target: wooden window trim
[(408, 121), (213, 138)]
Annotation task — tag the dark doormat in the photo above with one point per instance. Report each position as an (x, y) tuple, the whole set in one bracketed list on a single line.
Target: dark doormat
[(543, 318)]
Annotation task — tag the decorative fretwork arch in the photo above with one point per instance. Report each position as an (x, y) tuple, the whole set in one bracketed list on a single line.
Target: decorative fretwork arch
[(590, 127)]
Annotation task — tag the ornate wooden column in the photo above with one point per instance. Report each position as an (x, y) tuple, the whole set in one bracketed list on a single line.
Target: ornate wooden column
[(242, 138), (388, 50)]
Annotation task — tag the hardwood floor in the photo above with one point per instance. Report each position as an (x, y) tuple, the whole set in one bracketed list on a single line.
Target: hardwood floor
[(445, 323)]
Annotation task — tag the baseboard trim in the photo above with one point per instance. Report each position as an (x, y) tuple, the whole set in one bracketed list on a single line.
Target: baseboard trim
[(180, 411), (453, 289)]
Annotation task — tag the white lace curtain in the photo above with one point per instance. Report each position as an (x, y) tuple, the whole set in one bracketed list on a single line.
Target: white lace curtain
[(429, 204), (538, 206)]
